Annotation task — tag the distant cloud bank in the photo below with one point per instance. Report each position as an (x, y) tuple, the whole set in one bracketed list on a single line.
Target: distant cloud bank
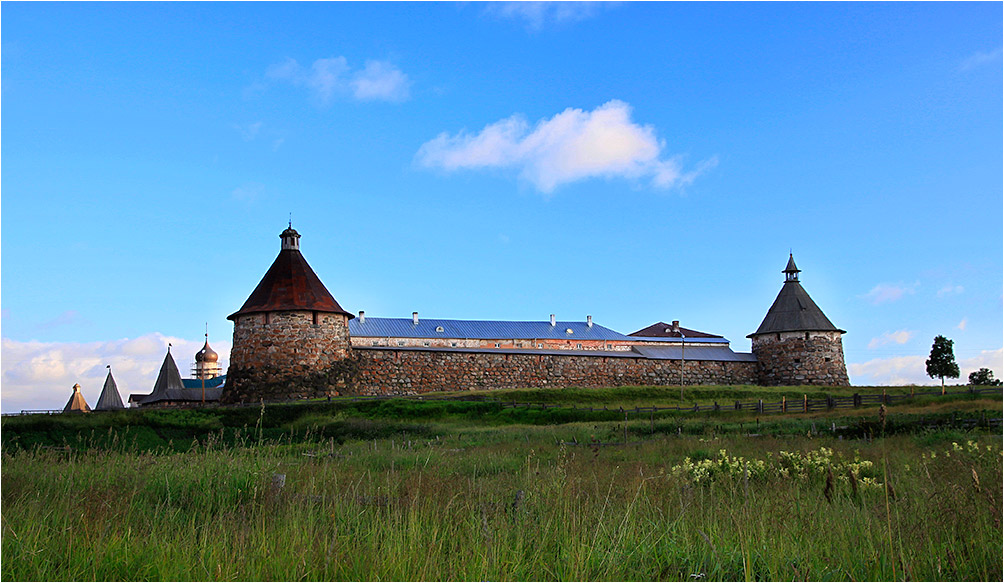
[(332, 77), (39, 375), (912, 370), (573, 145)]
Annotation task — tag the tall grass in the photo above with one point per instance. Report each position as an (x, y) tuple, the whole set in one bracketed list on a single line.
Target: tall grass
[(502, 503)]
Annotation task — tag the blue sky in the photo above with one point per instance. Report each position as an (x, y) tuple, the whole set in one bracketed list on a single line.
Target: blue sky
[(634, 162)]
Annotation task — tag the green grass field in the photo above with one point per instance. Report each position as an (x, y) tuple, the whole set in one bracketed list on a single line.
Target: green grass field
[(409, 490)]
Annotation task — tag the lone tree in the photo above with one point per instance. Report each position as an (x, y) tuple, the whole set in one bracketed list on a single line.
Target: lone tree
[(984, 378), (942, 361)]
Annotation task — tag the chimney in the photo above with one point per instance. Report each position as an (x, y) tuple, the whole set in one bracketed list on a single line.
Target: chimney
[(676, 326), (362, 317), (414, 318), (589, 321), (552, 319)]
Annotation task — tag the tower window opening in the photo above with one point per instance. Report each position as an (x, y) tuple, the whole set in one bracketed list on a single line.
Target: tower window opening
[(267, 319), (313, 316), (806, 335)]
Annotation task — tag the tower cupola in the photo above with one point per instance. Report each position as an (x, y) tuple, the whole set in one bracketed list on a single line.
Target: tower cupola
[(290, 238), (790, 271)]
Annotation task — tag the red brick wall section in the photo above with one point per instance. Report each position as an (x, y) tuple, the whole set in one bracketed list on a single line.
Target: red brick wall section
[(399, 372)]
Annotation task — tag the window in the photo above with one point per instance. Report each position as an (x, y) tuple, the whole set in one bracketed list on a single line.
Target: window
[(266, 320), (453, 344), (579, 346), (498, 345), (400, 342), (313, 316), (439, 328), (426, 344), (540, 346), (806, 335), (568, 330)]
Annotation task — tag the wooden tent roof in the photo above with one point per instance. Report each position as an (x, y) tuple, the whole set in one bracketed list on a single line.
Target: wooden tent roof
[(110, 399), (76, 402)]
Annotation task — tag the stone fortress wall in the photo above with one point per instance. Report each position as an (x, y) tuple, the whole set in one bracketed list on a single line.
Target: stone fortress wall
[(801, 358), (292, 341)]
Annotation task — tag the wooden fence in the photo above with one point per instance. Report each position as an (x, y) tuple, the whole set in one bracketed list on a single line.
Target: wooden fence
[(785, 405)]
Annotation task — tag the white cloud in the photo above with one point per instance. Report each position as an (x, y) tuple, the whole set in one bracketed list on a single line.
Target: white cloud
[(949, 290), (380, 80), (572, 145), (537, 14), (897, 337), (249, 131), (962, 324), (248, 192), (886, 292), (980, 58), (912, 370), (328, 78), (67, 318), (40, 375)]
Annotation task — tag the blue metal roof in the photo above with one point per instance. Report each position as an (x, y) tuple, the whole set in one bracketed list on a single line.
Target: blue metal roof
[(480, 329), (712, 353), (214, 382), (672, 340), (715, 353)]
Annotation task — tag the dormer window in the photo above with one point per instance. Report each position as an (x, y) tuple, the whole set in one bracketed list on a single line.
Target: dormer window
[(568, 330), (439, 329)]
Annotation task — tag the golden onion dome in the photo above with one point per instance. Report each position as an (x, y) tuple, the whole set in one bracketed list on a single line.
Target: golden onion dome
[(207, 354)]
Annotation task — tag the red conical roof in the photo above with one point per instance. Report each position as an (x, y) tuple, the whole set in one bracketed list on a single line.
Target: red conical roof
[(290, 284)]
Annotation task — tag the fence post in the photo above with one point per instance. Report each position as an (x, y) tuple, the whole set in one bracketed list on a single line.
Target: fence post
[(805, 403), (717, 408), (885, 397), (857, 400), (829, 402), (738, 405), (911, 391), (759, 406), (784, 404)]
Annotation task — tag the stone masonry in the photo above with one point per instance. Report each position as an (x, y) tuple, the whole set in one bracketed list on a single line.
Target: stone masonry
[(801, 358), (383, 371), (288, 354)]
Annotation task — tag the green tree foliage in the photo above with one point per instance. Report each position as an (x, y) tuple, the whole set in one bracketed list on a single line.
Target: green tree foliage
[(984, 378), (942, 360)]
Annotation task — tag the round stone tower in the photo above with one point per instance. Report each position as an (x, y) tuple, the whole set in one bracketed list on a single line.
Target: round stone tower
[(291, 338), (796, 344)]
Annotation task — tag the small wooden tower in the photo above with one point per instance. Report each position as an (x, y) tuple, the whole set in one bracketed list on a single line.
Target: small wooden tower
[(110, 400), (76, 404)]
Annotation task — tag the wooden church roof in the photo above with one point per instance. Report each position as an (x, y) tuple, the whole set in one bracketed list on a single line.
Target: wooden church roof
[(290, 284), (76, 402), (110, 399), (793, 310), (168, 386)]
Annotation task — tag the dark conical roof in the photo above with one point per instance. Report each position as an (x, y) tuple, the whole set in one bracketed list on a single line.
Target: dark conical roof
[(168, 383), (110, 398), (794, 311), (290, 284)]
